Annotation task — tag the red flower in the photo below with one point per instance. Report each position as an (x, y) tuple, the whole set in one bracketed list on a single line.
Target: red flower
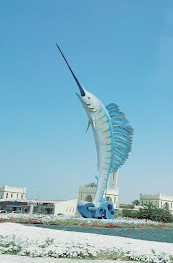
[(83, 224), (34, 222)]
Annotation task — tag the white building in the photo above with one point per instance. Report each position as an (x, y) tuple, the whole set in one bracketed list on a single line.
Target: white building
[(68, 208), (19, 203), (87, 193), (158, 200), (12, 193)]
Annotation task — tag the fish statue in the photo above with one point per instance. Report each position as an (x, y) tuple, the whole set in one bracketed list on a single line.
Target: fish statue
[(113, 139)]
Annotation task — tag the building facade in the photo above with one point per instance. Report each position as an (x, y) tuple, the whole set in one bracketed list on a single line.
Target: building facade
[(68, 208), (12, 193), (13, 199), (87, 193), (158, 200), (14, 206)]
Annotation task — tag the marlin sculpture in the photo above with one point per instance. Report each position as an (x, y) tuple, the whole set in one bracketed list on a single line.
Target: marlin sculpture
[(113, 139)]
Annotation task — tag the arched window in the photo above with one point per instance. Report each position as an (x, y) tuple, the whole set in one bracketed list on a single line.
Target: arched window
[(88, 198), (108, 198)]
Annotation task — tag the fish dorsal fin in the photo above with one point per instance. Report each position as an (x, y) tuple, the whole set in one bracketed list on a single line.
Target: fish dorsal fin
[(112, 106), (122, 136)]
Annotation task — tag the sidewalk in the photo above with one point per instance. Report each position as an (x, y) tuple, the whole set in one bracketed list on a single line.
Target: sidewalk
[(22, 259)]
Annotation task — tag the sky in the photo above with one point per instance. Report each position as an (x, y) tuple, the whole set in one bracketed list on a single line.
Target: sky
[(122, 52)]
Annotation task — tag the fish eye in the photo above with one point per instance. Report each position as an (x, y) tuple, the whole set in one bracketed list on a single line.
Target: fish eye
[(89, 98)]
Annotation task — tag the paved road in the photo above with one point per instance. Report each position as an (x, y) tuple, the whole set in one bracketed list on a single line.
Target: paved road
[(156, 234), (21, 259)]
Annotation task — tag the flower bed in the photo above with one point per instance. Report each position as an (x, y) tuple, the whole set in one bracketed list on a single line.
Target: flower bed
[(82, 222), (38, 242)]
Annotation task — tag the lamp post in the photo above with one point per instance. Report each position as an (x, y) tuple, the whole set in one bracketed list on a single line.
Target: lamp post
[(32, 203)]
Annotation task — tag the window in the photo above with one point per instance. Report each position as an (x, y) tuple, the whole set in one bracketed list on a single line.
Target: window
[(6, 195), (11, 195), (88, 198), (17, 195), (108, 198)]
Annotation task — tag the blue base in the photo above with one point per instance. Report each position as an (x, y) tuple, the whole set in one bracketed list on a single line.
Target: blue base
[(103, 210)]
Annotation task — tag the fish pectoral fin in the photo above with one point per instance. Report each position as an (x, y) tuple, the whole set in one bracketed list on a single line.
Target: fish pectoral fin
[(88, 126), (93, 122)]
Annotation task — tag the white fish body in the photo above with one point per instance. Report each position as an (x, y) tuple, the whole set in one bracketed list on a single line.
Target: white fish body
[(100, 122)]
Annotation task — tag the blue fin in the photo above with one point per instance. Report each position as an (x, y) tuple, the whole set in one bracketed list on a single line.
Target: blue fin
[(112, 106), (121, 129), (122, 136), (116, 113)]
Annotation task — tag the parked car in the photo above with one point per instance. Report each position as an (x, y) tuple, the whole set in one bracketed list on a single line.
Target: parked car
[(16, 212)]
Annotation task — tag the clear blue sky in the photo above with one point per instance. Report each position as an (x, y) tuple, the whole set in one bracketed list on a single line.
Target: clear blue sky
[(121, 51)]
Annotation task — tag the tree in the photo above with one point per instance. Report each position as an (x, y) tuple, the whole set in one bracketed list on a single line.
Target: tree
[(136, 202), (91, 185)]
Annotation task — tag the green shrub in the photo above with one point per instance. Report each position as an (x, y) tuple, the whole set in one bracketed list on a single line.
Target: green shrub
[(126, 206), (130, 213), (156, 214), (151, 212)]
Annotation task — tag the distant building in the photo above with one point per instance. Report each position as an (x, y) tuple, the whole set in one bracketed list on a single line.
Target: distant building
[(12, 193), (46, 207), (68, 208), (21, 206), (13, 199), (87, 193), (158, 200)]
